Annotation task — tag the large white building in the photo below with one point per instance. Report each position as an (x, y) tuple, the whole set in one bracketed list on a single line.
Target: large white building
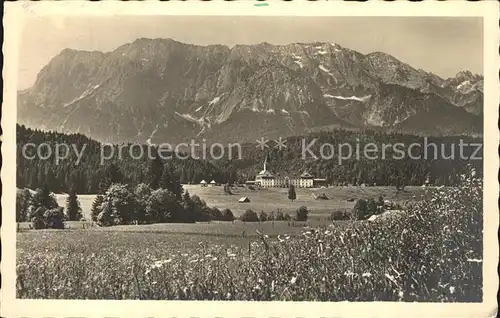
[(266, 179)]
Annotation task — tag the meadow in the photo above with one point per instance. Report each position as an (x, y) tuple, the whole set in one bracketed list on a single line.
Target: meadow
[(431, 253), (276, 198), (268, 200)]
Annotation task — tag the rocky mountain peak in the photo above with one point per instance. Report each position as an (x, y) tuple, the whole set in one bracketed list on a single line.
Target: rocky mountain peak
[(168, 88)]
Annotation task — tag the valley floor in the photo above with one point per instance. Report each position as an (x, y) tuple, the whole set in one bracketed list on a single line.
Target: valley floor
[(315, 260), (271, 199)]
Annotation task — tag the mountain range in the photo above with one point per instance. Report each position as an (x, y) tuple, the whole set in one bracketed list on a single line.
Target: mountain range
[(161, 90)]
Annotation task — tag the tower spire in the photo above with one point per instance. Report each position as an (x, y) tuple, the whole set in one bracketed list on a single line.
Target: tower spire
[(265, 163)]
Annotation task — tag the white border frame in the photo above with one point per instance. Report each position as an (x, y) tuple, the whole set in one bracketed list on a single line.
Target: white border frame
[(13, 19)]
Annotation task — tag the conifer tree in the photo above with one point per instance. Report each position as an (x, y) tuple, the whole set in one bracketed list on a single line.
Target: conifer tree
[(23, 201), (96, 207), (291, 193), (165, 181), (155, 170), (170, 181), (183, 178), (44, 198), (73, 209)]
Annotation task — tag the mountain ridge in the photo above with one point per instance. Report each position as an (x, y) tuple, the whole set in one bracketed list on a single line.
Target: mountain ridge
[(159, 88)]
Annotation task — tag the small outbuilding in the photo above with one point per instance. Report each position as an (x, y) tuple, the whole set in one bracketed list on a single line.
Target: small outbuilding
[(203, 183), (321, 197), (244, 200), (213, 183)]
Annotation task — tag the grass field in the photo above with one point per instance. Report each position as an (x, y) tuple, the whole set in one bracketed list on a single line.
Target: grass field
[(85, 202), (429, 253), (276, 198), (270, 199)]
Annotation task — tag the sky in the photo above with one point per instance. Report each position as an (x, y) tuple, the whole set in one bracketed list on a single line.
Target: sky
[(443, 46)]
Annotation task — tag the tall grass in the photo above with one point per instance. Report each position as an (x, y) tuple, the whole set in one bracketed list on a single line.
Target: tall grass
[(432, 253)]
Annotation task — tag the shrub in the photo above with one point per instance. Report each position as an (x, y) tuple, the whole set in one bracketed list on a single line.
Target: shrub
[(381, 201), (263, 216), (249, 216), (54, 218), (359, 211), (227, 215), (198, 203), (271, 216), (106, 217), (280, 216), (23, 201), (44, 212), (302, 213), (204, 214), (371, 207), (37, 217), (340, 215), (123, 203), (161, 206), (215, 213), (44, 198)]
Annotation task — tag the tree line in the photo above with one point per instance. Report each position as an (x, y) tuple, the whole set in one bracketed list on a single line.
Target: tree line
[(42, 210), (119, 204), (88, 175)]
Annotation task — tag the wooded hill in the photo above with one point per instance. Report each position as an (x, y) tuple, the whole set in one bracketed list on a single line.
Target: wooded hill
[(88, 174)]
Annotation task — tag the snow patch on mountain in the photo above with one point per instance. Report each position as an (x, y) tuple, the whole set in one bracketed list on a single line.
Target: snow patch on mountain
[(463, 84), (359, 99), (188, 117), (375, 119), (284, 111), (82, 96), (324, 69), (214, 101), (299, 63), (148, 141), (198, 109), (400, 120), (270, 111), (303, 112)]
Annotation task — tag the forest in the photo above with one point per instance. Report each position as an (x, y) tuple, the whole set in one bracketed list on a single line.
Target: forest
[(86, 174)]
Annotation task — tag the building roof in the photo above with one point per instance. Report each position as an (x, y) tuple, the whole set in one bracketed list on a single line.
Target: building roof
[(306, 175), (213, 182), (244, 199), (203, 181), (265, 174)]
